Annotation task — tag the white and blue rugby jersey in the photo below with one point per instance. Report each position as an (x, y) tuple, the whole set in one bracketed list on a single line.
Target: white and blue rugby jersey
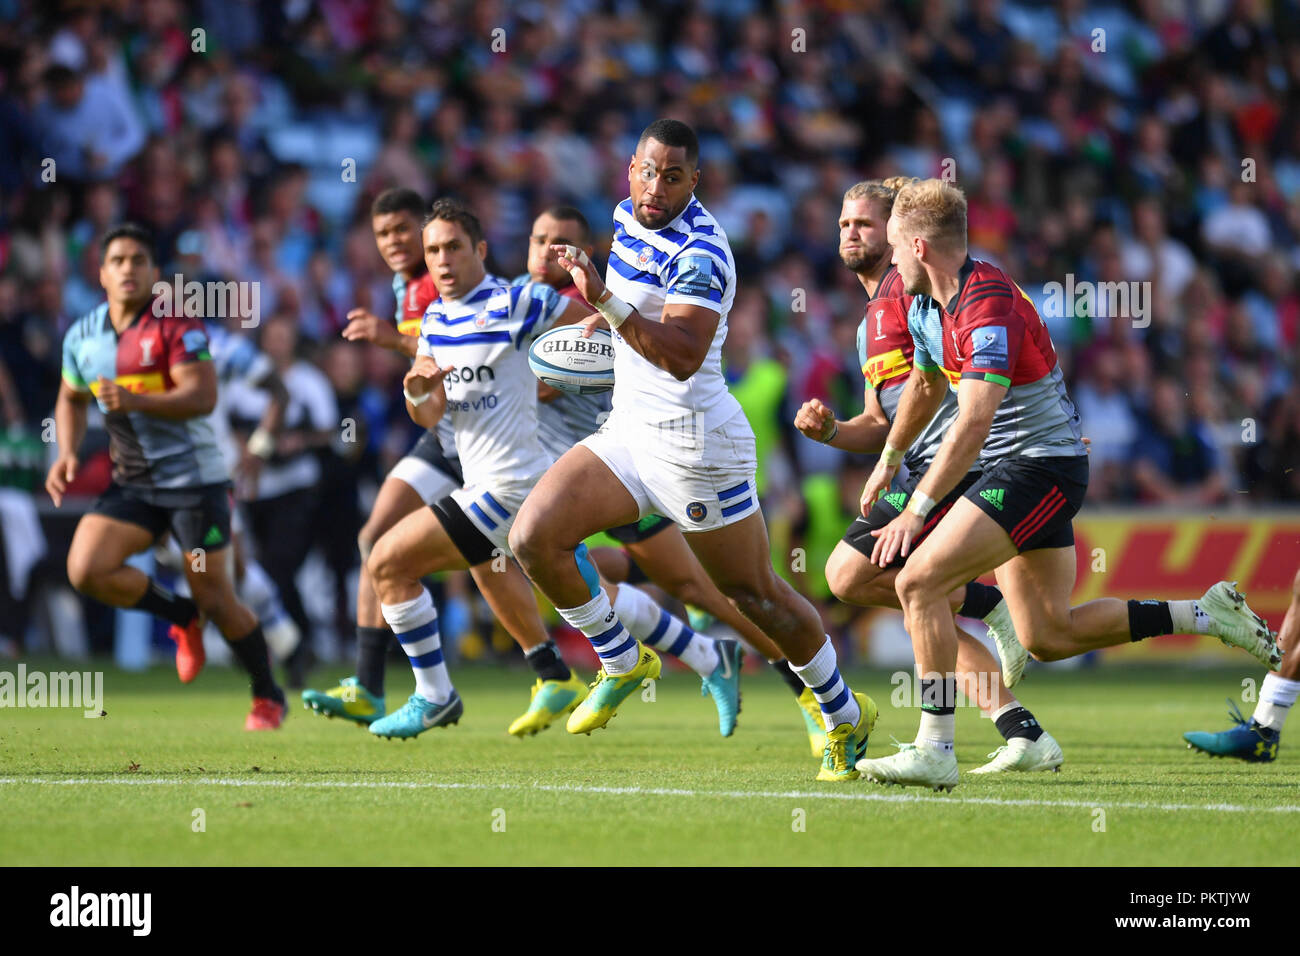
[(236, 359), (687, 261), (492, 394)]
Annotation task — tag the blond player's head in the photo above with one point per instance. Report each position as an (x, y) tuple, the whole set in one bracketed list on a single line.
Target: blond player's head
[(863, 215), (927, 227)]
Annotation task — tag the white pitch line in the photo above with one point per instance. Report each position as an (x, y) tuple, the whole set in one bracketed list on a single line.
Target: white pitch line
[(928, 799)]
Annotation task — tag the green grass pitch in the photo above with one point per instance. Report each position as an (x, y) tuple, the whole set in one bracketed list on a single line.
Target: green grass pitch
[(658, 787)]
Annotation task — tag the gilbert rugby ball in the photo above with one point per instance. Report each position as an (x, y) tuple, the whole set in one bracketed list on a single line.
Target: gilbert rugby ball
[(563, 359)]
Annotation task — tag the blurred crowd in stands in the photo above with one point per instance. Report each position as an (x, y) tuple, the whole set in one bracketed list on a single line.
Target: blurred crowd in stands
[(1151, 147)]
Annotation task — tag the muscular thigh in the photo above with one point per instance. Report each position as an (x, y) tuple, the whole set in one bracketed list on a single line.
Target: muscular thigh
[(578, 496), (396, 499), (1037, 586), (961, 547), (417, 545), (103, 544), (737, 555)]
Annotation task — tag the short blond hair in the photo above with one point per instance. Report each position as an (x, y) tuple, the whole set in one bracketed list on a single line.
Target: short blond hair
[(934, 210), (879, 190)]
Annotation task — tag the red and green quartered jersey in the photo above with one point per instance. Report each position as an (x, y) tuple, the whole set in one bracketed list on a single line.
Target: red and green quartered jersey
[(992, 332), (147, 451)]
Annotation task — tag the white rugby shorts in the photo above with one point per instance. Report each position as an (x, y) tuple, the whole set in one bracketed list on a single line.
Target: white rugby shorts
[(700, 481)]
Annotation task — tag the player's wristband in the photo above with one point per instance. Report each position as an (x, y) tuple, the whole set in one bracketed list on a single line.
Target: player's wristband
[(416, 400), (261, 443), (891, 456), (614, 309), (831, 437), (920, 504)]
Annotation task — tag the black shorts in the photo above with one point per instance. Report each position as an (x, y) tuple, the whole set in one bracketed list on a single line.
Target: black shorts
[(199, 517), (472, 543), (429, 450), (859, 536), (1033, 499), (639, 531)]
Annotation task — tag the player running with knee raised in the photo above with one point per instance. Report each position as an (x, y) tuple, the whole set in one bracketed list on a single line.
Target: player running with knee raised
[(975, 331), (427, 473), (655, 544), (1256, 740), (885, 355), (677, 444), (151, 373), (471, 367)]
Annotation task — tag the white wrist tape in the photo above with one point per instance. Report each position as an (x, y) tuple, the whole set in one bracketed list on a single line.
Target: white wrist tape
[(261, 443), (614, 309), (920, 504), (891, 456), (416, 400)]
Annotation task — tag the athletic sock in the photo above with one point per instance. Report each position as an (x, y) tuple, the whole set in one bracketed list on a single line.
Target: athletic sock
[(980, 600), (838, 704), (372, 652), (1012, 720), (788, 675), (938, 713), (1188, 618), (415, 625), (617, 649), (1276, 697), (160, 602), (1149, 619), (251, 652), (546, 662), (650, 624)]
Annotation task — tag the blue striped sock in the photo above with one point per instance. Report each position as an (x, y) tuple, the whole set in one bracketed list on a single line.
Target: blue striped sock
[(617, 649), (415, 624), (822, 674), (652, 625)]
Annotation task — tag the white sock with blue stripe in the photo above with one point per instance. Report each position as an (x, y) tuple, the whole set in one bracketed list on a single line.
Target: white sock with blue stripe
[(616, 648), (822, 674), (650, 624), (415, 623)]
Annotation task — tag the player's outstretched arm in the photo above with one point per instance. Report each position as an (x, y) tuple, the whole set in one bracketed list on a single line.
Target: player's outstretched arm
[(863, 434), (69, 429), (678, 343), (194, 394)]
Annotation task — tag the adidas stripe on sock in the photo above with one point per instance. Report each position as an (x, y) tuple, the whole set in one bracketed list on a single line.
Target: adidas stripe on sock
[(617, 649), (652, 625), (838, 704), (415, 624)]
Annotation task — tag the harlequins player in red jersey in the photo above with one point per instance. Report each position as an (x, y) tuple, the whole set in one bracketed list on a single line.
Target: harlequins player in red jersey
[(885, 354), (975, 331), (153, 378)]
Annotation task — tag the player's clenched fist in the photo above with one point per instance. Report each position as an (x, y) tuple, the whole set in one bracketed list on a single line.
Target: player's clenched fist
[(815, 420), (113, 397), (364, 327), (62, 473)]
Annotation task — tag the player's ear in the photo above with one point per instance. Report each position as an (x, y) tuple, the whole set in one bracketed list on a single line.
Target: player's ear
[(481, 251), (695, 178)]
